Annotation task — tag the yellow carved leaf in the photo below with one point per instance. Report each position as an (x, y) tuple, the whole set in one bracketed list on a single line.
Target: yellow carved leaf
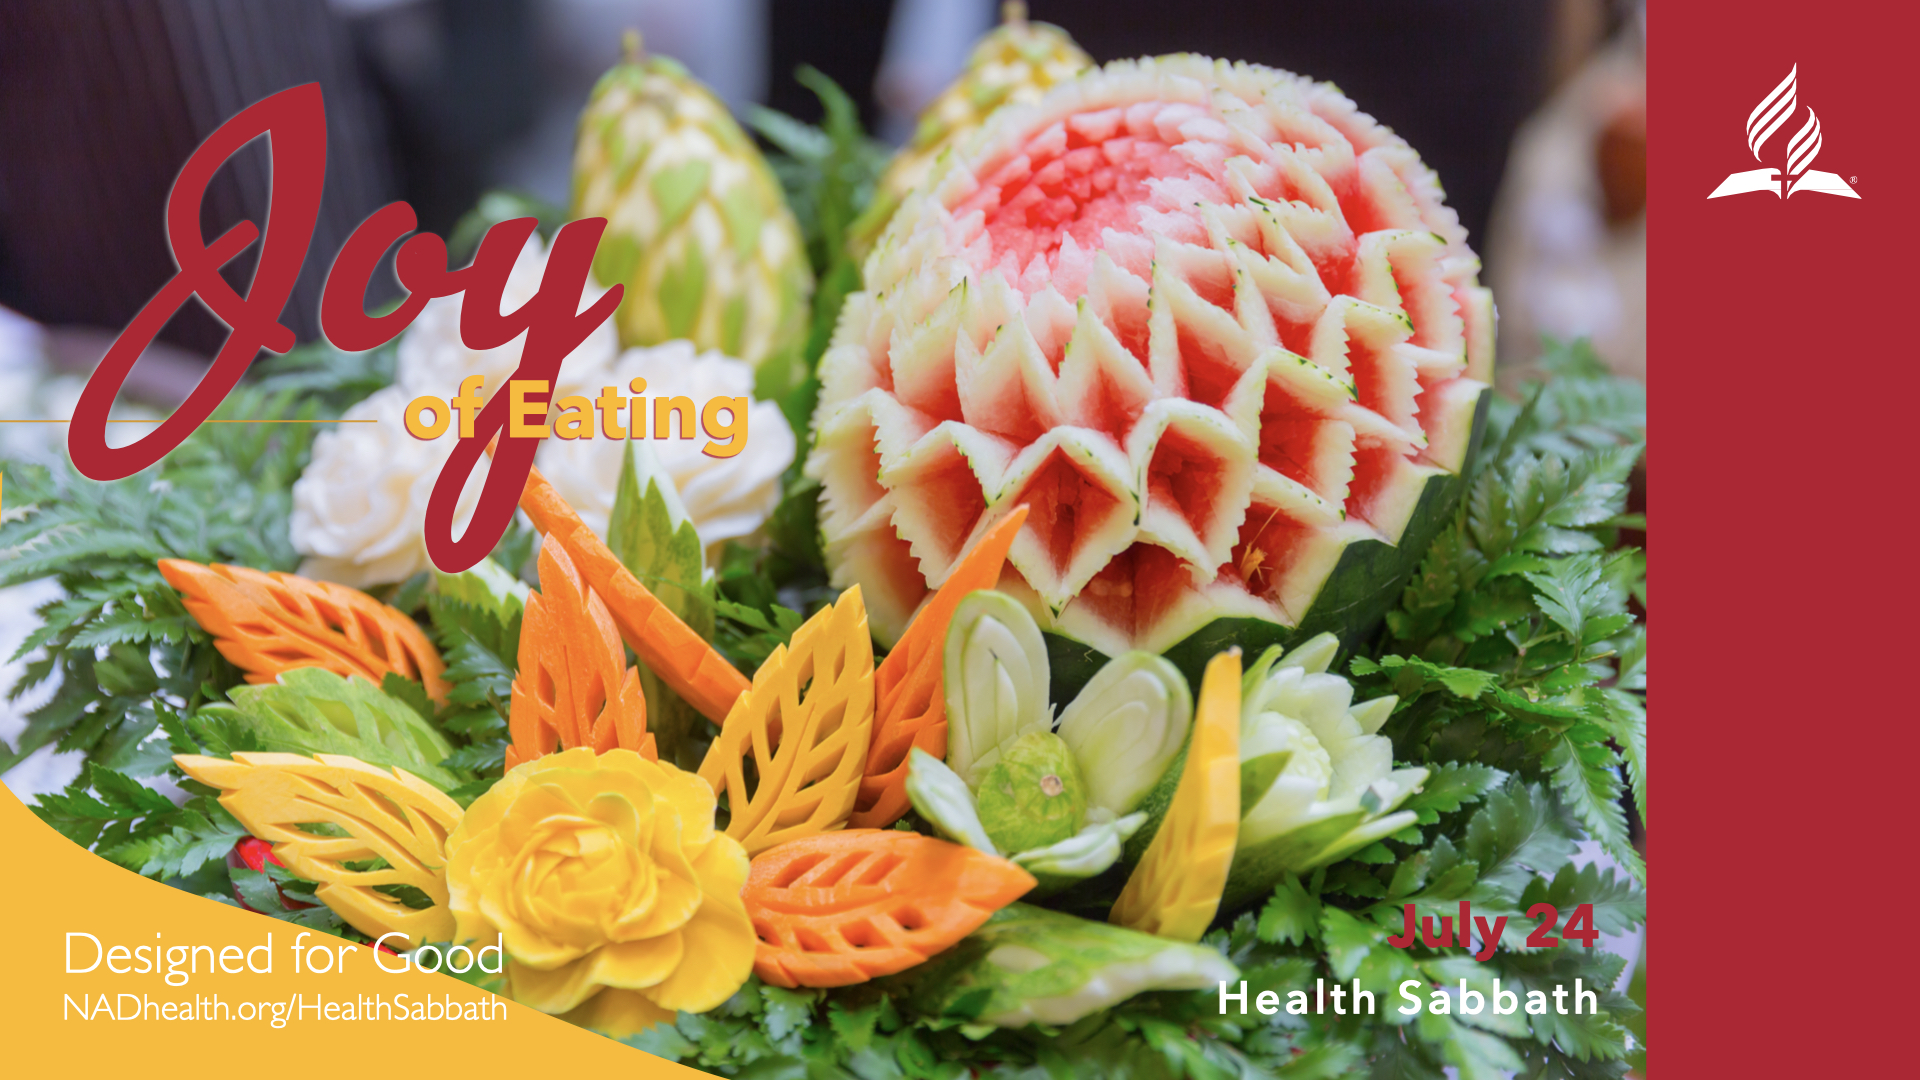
[(1175, 890), (790, 756), (387, 815)]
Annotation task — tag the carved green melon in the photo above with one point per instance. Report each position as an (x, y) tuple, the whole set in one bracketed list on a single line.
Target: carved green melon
[(697, 228)]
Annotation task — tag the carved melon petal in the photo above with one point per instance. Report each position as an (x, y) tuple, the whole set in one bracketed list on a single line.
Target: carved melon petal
[(1448, 411), (940, 486), (1193, 468), (1079, 488), (1182, 300)]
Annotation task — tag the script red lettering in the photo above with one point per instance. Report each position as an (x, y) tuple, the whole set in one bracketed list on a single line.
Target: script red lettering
[(295, 123), (553, 330)]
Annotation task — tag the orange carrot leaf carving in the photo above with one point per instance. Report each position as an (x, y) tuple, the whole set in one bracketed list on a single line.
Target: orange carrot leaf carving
[(574, 687), (845, 907), (668, 646), (910, 701), (267, 623)]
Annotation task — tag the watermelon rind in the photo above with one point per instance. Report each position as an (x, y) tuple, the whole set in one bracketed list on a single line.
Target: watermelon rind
[(1213, 326), (1362, 588)]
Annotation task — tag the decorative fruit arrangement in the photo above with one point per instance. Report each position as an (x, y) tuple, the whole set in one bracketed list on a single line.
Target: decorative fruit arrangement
[(1209, 323), (1156, 601)]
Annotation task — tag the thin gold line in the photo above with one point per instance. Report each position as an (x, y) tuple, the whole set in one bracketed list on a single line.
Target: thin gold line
[(203, 421)]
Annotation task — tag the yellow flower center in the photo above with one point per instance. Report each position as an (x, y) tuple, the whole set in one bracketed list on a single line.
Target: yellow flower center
[(604, 872)]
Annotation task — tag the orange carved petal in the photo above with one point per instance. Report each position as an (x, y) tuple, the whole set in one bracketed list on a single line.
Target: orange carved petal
[(573, 687), (841, 908), (669, 647), (910, 705), (267, 623)]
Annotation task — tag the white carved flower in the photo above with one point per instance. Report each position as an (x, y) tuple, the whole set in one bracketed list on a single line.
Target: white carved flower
[(359, 509), (1335, 770), (360, 506), (433, 359), (727, 497)]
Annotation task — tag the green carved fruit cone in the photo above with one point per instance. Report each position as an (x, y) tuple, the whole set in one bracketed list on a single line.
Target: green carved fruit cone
[(697, 228)]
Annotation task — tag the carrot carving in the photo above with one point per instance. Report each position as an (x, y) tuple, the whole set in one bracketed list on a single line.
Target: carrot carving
[(574, 687), (805, 752), (669, 647), (269, 623), (910, 707), (845, 907)]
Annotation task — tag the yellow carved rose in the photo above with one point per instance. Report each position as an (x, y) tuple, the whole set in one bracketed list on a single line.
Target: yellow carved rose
[(618, 901)]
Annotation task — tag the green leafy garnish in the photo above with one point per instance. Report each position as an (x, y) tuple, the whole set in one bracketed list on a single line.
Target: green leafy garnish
[(655, 538), (314, 711)]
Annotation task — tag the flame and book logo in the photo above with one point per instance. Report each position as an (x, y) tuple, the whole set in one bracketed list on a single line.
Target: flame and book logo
[(1767, 118)]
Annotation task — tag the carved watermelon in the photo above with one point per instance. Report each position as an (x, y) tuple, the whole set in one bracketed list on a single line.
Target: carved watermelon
[(1211, 323)]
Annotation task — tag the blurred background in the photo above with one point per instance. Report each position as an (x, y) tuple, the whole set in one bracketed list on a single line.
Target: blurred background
[(1531, 111)]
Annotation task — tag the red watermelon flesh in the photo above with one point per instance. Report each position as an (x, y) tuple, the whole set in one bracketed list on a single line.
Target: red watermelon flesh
[(1209, 322)]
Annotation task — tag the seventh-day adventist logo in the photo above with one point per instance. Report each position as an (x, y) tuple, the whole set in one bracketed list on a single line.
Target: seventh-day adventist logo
[(1766, 118)]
